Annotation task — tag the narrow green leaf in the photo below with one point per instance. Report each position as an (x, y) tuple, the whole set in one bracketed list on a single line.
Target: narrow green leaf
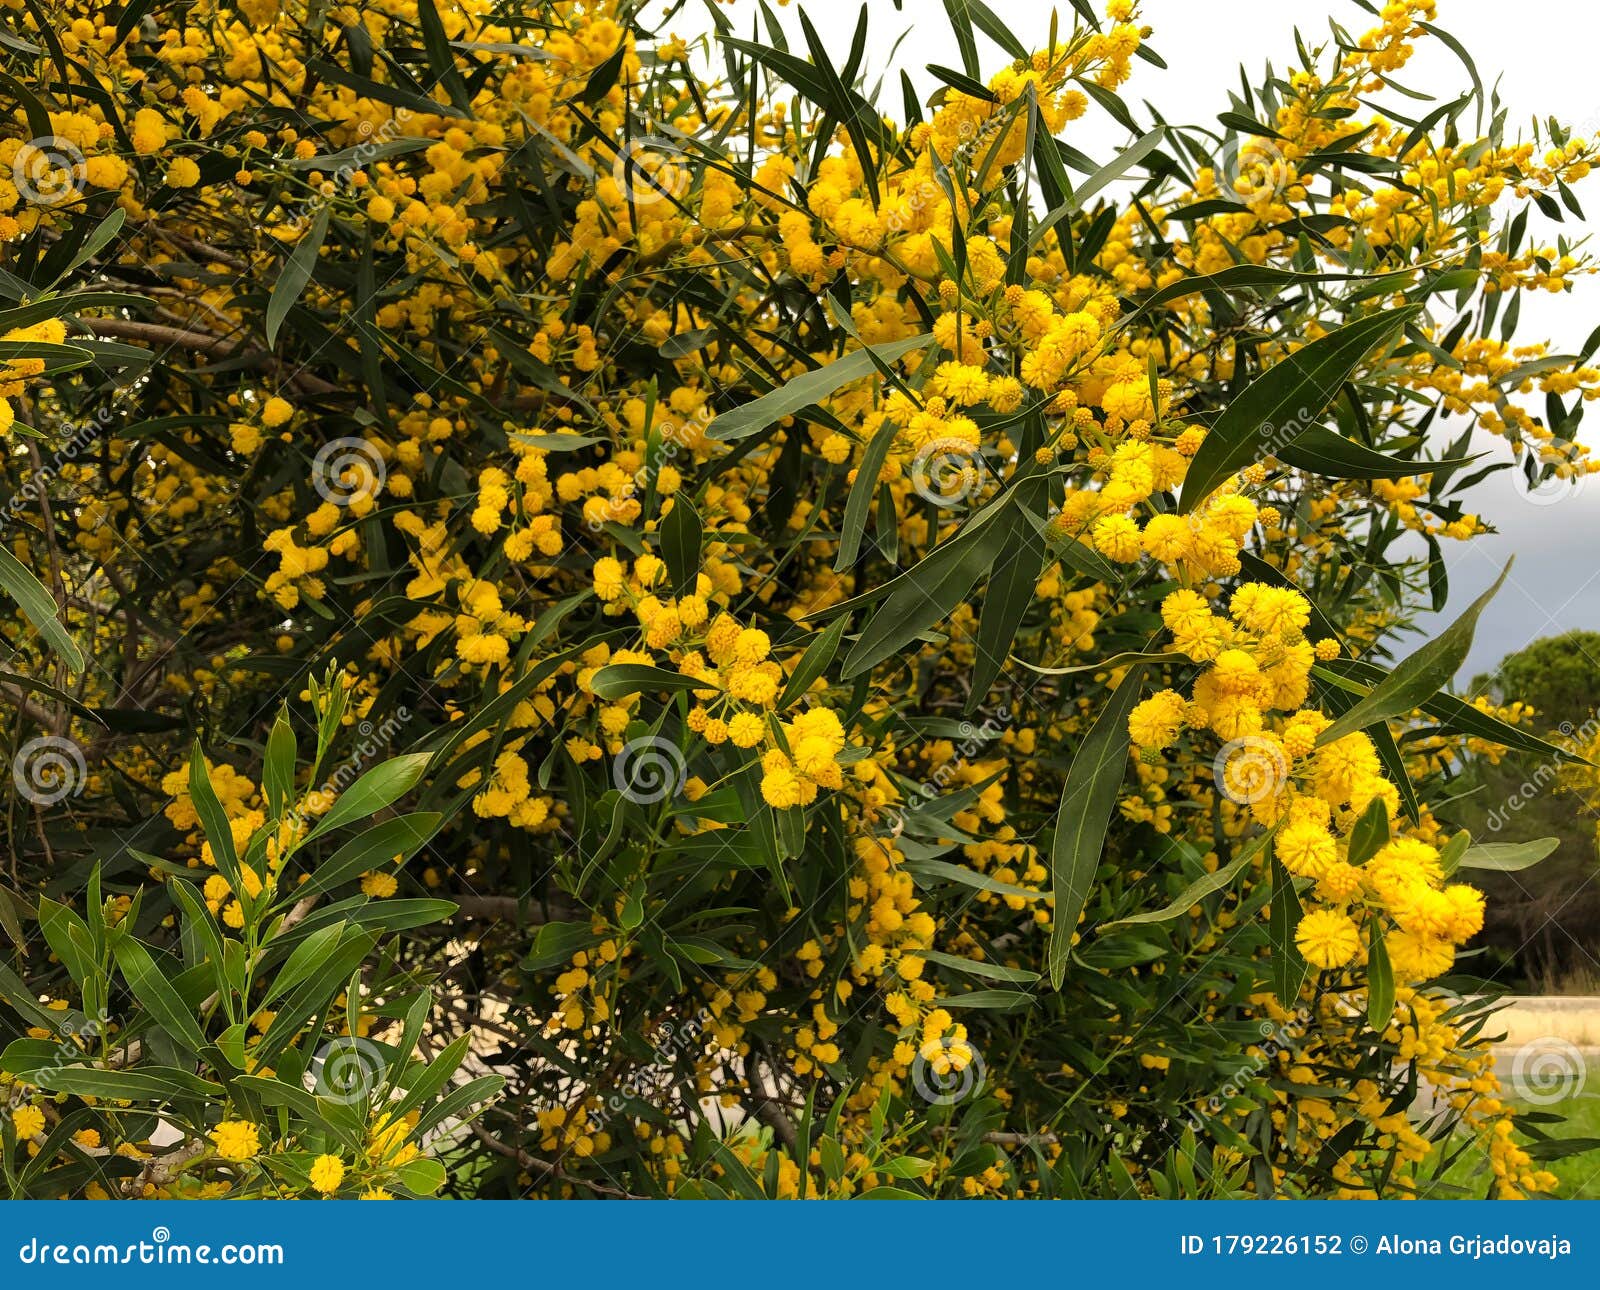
[(38, 607), (381, 786), (1508, 857), (1416, 679), (1380, 979), (1288, 965), (808, 388), (297, 270), (1291, 393), (1087, 802), (681, 535), (1196, 891), (619, 680)]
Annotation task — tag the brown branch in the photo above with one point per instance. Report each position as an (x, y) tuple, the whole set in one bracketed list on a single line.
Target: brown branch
[(548, 1168)]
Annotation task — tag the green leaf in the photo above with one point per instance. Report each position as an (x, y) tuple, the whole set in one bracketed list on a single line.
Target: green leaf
[(1380, 980), (990, 971), (859, 502), (1416, 678), (213, 819), (1508, 857), (147, 1084), (813, 663), (381, 786), (1009, 594), (681, 534), (1293, 392), (1196, 891), (1113, 170), (154, 991), (971, 878), (619, 680), (1329, 454), (1087, 802), (277, 768), (297, 270), (378, 847), (928, 592), (808, 388), (1370, 833), (1288, 964), (38, 607)]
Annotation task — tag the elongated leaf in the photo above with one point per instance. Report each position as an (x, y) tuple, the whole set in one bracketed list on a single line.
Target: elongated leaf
[(808, 388), (1087, 801), (1009, 594), (990, 971), (619, 680), (859, 502), (1293, 392), (297, 271), (971, 878), (1508, 857), (1288, 964), (1196, 891), (1416, 678), (152, 988), (1380, 980), (813, 663), (381, 786), (929, 592), (681, 534), (38, 607), (1327, 453), (1371, 832), (378, 847)]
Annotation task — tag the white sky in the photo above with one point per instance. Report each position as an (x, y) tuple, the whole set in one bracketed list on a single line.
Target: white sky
[(1542, 52)]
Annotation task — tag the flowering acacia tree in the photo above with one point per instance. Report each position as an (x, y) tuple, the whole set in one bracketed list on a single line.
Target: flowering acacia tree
[(865, 649)]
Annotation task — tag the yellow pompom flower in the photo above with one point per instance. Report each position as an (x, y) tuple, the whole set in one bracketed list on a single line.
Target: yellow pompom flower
[(1327, 938), (236, 1139), (327, 1172)]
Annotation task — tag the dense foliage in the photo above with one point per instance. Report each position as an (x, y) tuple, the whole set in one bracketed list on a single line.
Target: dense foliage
[(601, 616)]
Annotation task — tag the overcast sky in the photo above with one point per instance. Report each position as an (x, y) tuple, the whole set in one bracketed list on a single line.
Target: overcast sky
[(1541, 51)]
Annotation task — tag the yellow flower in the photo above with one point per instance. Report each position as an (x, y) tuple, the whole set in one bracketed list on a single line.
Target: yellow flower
[(28, 1121), (1327, 938), (236, 1139), (327, 1172)]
